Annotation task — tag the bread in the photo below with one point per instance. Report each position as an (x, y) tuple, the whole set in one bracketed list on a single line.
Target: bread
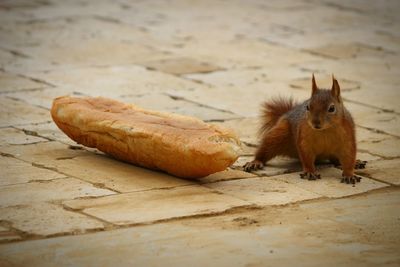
[(180, 145)]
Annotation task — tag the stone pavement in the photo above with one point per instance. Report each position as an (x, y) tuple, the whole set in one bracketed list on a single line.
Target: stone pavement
[(65, 205)]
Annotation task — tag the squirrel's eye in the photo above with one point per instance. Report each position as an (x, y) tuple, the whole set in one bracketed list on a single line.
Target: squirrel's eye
[(308, 107), (331, 109)]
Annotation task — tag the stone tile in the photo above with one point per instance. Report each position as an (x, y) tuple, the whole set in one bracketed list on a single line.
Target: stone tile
[(43, 98), (165, 103), (272, 235), (329, 185), (389, 148), (240, 53), (228, 174), (11, 83), (48, 130), (13, 112), (374, 74), (114, 81), (110, 173), (95, 168), (55, 190), (15, 171), (347, 50), (60, 41), (246, 129), (179, 66), (156, 205), (383, 170), (323, 81), (7, 235), (263, 191), (12, 136), (375, 119), (276, 166), (45, 154), (47, 220)]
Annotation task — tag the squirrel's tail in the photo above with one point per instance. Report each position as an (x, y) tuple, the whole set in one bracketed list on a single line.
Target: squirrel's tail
[(272, 110)]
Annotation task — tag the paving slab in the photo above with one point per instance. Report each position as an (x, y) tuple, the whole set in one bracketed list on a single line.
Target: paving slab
[(111, 173), (388, 148), (59, 41), (45, 154), (55, 190), (165, 103), (383, 170), (11, 83), (156, 205), (7, 235), (47, 219), (228, 174), (329, 185), (13, 112), (15, 171), (179, 66), (263, 191), (12, 136), (48, 130), (114, 81), (246, 129), (353, 234), (93, 167)]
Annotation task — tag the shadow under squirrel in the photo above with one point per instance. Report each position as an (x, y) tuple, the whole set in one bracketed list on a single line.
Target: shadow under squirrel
[(320, 128)]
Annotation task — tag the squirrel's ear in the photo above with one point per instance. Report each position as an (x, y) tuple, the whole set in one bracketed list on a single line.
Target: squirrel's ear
[(314, 85), (335, 91)]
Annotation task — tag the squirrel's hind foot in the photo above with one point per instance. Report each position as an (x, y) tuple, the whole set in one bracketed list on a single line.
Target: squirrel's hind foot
[(360, 164), (351, 179), (253, 166), (310, 176)]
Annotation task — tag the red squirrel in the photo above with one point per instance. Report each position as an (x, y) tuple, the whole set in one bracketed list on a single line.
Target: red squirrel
[(320, 128)]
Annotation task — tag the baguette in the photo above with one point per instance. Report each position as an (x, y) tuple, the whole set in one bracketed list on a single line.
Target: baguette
[(179, 145)]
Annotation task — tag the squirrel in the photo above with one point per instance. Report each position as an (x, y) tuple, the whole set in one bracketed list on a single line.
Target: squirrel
[(320, 128)]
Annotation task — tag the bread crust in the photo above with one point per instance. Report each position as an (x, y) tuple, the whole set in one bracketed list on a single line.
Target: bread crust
[(179, 145)]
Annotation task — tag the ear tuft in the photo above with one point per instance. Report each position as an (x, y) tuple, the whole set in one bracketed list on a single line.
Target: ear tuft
[(314, 85), (335, 91)]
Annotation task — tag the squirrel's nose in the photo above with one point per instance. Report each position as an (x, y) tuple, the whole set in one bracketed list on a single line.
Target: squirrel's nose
[(316, 124)]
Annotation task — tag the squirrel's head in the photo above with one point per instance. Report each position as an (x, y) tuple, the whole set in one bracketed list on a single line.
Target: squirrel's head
[(325, 107)]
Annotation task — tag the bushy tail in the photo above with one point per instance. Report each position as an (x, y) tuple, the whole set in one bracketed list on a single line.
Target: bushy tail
[(272, 110)]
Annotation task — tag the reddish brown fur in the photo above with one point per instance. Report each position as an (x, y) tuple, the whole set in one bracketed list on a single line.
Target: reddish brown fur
[(274, 109), (310, 131)]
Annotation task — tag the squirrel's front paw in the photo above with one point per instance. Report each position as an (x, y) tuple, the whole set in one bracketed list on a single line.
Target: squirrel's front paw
[(310, 175), (351, 179), (253, 166)]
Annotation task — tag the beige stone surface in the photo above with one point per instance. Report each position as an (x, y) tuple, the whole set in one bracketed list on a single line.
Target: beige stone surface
[(156, 205), (11, 83), (13, 112), (47, 219), (329, 185), (331, 233), (45, 154), (65, 205), (263, 191), (383, 170), (180, 66), (165, 103), (228, 174), (7, 235), (15, 171), (55, 190), (389, 148), (110, 173), (49, 131), (12, 136)]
